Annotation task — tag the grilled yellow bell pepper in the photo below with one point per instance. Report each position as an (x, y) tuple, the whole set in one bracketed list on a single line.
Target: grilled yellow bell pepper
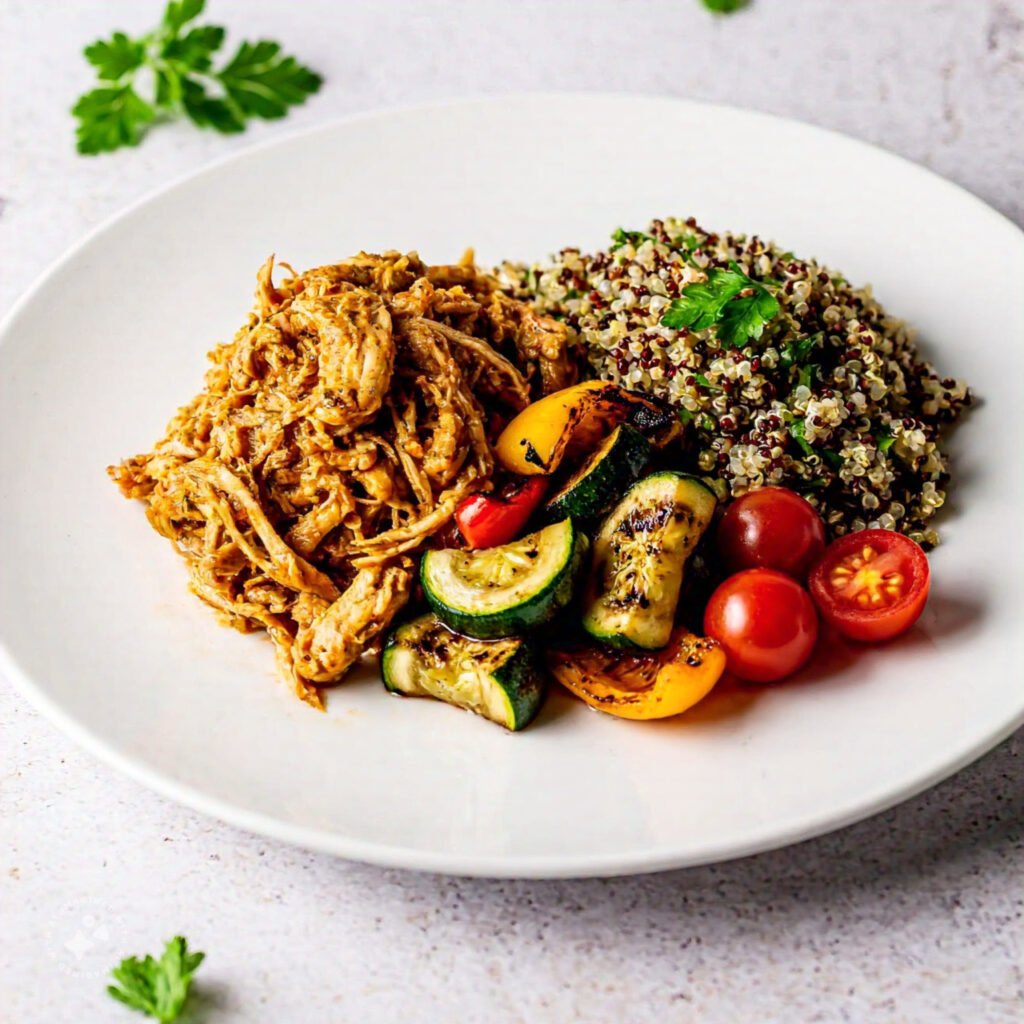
[(642, 686), (574, 420)]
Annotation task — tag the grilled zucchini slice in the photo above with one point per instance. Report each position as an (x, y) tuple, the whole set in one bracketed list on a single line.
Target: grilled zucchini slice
[(497, 679), (639, 556), (617, 462), (506, 590)]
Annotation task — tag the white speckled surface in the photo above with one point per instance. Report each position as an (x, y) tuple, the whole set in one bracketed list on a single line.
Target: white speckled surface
[(915, 915)]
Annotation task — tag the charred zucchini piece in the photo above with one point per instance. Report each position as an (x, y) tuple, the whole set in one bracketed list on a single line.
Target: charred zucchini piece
[(639, 557), (616, 463), (497, 679), (507, 590)]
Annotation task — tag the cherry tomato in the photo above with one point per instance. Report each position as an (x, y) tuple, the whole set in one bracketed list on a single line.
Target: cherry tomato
[(766, 623), (771, 528), (489, 520), (871, 585)]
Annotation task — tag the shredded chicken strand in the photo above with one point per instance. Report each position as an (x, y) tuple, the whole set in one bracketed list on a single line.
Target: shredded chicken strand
[(335, 435)]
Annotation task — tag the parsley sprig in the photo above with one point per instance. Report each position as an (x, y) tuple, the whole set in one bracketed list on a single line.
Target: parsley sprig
[(724, 6), (258, 81), (797, 351), (798, 431), (157, 988), (731, 301), (885, 439), (621, 237)]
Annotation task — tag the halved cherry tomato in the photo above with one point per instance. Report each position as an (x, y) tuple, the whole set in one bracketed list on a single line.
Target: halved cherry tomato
[(871, 585), (489, 520), (641, 686), (772, 528), (765, 621)]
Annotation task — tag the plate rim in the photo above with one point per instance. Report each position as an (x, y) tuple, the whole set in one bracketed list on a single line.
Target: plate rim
[(766, 837), (388, 855)]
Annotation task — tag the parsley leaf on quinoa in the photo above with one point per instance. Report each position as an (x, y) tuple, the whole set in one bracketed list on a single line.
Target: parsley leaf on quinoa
[(705, 383), (687, 246), (718, 302), (745, 317), (885, 439), (795, 352), (620, 237), (798, 431), (807, 375), (700, 305)]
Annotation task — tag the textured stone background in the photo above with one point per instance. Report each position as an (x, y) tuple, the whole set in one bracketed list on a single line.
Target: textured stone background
[(915, 915)]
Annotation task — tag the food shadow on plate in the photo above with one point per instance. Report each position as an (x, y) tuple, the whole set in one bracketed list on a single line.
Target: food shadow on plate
[(558, 704), (834, 656), (945, 615), (831, 664), (731, 699)]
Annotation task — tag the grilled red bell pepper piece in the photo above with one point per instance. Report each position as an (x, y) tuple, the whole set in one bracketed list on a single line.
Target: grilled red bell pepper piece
[(489, 520)]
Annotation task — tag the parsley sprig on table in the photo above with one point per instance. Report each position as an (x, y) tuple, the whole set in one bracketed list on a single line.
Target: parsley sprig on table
[(157, 988), (177, 58), (728, 299), (724, 6)]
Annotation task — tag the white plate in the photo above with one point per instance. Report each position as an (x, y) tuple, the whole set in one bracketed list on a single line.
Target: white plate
[(98, 628)]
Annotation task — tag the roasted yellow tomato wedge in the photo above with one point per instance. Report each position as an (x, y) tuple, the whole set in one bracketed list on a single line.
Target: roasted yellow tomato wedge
[(575, 419), (642, 686)]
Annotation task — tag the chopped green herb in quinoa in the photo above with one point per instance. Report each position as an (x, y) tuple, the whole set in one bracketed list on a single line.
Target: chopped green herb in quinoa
[(806, 382)]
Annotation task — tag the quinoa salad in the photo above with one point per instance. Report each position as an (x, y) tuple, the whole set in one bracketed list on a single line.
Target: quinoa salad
[(782, 371)]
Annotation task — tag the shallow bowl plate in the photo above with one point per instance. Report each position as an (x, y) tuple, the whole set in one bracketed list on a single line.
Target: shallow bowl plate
[(97, 626)]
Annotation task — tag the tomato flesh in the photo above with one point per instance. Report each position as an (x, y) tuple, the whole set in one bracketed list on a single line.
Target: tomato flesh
[(765, 622), (871, 585), (771, 528)]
